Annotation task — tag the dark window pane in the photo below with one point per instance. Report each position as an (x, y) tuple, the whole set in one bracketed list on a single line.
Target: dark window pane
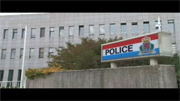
[(3, 54), (5, 34), (42, 32), (21, 53), (1, 76), (33, 32), (10, 78), (14, 34), (23, 33)]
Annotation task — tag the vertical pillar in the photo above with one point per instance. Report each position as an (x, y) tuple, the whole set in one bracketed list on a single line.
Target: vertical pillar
[(153, 61), (113, 65)]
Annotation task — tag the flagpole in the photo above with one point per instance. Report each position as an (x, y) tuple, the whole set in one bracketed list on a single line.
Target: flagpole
[(23, 60)]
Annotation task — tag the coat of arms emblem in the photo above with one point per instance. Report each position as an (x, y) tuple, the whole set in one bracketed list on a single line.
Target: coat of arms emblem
[(147, 46)]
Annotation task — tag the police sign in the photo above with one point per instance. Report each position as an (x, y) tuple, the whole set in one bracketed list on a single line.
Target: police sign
[(146, 45)]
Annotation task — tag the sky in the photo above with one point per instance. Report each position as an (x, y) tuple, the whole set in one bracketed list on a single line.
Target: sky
[(2, 14)]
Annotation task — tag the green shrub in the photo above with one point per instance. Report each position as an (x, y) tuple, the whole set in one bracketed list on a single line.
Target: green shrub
[(42, 72)]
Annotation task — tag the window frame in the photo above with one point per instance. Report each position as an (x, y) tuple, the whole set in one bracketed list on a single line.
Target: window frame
[(5, 34), (146, 23), (14, 36), (125, 25), (51, 32), (11, 57), (71, 34), (2, 55), (90, 30), (19, 75), (100, 26), (10, 77), (33, 33), (30, 53), (61, 29), (49, 52), (41, 54), (21, 53), (41, 32), (110, 28), (81, 34), (22, 33), (1, 75), (171, 23), (134, 25)]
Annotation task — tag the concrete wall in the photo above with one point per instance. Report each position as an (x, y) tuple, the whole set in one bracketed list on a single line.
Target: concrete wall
[(162, 76)]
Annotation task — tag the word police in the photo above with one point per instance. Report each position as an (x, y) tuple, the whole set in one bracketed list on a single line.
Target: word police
[(119, 50)]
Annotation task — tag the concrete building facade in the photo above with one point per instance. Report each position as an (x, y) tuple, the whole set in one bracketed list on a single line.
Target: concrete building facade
[(45, 32)]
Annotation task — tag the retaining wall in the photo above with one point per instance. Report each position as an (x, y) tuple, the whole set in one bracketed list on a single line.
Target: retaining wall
[(161, 76)]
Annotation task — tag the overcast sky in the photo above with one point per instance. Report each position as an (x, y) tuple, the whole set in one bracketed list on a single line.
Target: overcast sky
[(1, 14)]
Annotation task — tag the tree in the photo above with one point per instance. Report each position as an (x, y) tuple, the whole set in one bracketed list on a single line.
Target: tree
[(85, 55)]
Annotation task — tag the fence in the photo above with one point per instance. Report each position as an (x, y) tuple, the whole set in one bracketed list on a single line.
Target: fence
[(10, 84)]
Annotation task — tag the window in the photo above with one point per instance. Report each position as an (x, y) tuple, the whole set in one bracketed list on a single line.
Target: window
[(51, 32), (123, 28), (42, 32), (146, 27), (112, 29), (171, 26), (19, 75), (5, 34), (41, 52), (61, 31), (134, 28), (71, 30), (19, 78), (81, 30), (102, 28), (33, 32), (51, 51), (10, 78), (13, 53), (1, 75), (91, 29), (3, 54), (14, 34), (23, 33), (31, 52), (21, 53)]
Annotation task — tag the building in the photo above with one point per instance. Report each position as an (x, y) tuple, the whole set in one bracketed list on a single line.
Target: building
[(52, 30)]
